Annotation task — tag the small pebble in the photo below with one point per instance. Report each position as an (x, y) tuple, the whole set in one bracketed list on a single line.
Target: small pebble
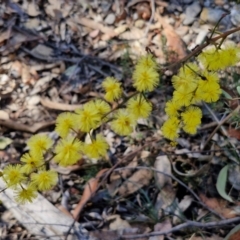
[(235, 15), (191, 13), (110, 19)]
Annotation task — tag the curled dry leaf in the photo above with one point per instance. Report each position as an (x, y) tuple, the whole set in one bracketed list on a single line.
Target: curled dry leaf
[(219, 206), (163, 226), (162, 164), (138, 180), (116, 177), (167, 194), (117, 223)]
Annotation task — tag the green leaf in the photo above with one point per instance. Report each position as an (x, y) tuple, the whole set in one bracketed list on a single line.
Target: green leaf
[(234, 230), (4, 142), (221, 183), (238, 89), (226, 95)]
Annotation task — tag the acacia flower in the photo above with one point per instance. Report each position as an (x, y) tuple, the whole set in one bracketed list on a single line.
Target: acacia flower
[(182, 97), (39, 144), (26, 194), (31, 163), (68, 151), (139, 107), (123, 122), (64, 123), (147, 61), (210, 91), (112, 88), (88, 117), (192, 115), (211, 59), (230, 55), (12, 175), (170, 128), (172, 108), (44, 180), (187, 78), (97, 148), (145, 79), (102, 107)]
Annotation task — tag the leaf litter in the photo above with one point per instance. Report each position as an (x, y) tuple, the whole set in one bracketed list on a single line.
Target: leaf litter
[(54, 56)]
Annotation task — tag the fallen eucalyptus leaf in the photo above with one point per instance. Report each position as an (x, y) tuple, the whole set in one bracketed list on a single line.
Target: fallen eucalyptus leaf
[(221, 183)]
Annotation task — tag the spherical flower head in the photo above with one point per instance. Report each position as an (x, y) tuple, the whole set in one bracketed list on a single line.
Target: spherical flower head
[(112, 88), (147, 61), (170, 128), (210, 91), (123, 122), (230, 55), (192, 116), (12, 175), (87, 118), (182, 97), (39, 144), (68, 151), (26, 194), (189, 70), (64, 123), (145, 79), (139, 107), (172, 108), (187, 77), (211, 59), (190, 129), (44, 180), (31, 162), (97, 148), (184, 82), (102, 107)]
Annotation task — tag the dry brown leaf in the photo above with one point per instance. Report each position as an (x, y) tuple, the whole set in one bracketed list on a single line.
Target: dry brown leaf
[(95, 25), (116, 177), (89, 190), (32, 9), (42, 83), (4, 35), (16, 69), (235, 236), (219, 206), (213, 237), (165, 199), (42, 50), (163, 226), (138, 180), (162, 164), (118, 223), (3, 115), (174, 42)]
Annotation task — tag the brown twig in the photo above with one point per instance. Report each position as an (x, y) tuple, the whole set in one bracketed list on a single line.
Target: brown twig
[(184, 225), (220, 124), (25, 128)]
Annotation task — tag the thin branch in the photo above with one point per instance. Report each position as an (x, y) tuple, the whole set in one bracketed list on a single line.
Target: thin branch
[(201, 47), (184, 225), (220, 124)]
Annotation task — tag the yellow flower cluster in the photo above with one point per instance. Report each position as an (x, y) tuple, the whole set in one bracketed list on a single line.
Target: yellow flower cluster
[(31, 175), (93, 114), (194, 84)]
